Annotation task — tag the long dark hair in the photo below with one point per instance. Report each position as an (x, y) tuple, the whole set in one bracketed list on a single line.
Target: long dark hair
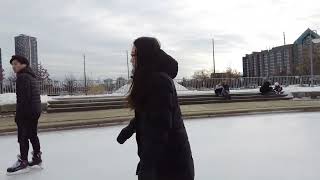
[(148, 52)]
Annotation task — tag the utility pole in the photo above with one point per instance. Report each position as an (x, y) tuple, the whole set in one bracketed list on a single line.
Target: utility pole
[(213, 59), (128, 65), (85, 74), (283, 54)]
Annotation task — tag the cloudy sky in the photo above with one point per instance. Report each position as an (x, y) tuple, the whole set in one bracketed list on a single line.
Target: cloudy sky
[(105, 29)]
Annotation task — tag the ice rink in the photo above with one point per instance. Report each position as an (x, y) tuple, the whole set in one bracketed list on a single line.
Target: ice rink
[(255, 147)]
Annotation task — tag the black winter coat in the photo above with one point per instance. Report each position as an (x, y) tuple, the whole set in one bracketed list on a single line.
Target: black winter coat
[(163, 145), (265, 88), (28, 97)]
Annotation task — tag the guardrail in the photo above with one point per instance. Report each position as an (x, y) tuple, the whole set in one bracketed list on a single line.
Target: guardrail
[(78, 87)]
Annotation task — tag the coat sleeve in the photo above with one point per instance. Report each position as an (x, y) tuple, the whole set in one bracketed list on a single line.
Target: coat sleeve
[(159, 117), (23, 91)]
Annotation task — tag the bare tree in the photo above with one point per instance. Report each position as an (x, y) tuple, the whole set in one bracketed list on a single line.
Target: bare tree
[(232, 73), (201, 75), (42, 74), (70, 84)]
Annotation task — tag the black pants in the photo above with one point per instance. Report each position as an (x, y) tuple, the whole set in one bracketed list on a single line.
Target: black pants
[(218, 91), (28, 131)]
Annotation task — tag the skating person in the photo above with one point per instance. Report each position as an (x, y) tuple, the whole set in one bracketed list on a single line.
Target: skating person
[(163, 145), (28, 111), (266, 88), (218, 90), (277, 88), (167, 65)]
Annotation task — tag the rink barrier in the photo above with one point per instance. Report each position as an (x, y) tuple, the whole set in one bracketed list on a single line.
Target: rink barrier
[(312, 94), (11, 108), (189, 116)]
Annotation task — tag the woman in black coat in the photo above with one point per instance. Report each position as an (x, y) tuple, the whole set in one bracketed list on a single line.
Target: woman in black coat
[(163, 145)]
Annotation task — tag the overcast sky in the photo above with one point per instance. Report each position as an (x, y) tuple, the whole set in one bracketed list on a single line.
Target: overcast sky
[(105, 29)]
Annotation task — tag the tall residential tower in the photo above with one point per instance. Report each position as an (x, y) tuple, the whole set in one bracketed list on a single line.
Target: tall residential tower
[(27, 46)]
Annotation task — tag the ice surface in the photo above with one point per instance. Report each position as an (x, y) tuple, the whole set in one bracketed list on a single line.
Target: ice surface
[(264, 147)]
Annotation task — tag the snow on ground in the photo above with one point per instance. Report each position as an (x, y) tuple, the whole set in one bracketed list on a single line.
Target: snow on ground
[(10, 98), (125, 89), (264, 147), (183, 90), (87, 96), (287, 90)]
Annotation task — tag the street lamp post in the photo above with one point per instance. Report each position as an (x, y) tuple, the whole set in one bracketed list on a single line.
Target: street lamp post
[(213, 58)]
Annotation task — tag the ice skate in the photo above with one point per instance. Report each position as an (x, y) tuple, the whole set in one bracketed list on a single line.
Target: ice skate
[(20, 167), (36, 160)]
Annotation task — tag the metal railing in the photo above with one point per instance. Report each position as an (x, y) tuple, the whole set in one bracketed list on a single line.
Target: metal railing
[(76, 87), (249, 82), (94, 87)]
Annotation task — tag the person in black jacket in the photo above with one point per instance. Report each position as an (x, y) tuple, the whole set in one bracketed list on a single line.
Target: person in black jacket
[(266, 88), (163, 145), (28, 111), (226, 91), (223, 89)]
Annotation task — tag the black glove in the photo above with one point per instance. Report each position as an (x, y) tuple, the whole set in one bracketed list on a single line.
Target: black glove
[(126, 132)]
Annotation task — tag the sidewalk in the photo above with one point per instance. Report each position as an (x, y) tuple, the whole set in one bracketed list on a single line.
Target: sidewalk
[(70, 120)]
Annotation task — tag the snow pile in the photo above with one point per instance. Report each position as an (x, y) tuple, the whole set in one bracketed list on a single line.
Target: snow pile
[(297, 88), (125, 89), (10, 98), (288, 90), (257, 90), (86, 96), (179, 87)]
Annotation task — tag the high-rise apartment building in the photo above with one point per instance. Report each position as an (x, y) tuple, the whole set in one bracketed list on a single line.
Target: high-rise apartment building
[(286, 60), (27, 46)]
